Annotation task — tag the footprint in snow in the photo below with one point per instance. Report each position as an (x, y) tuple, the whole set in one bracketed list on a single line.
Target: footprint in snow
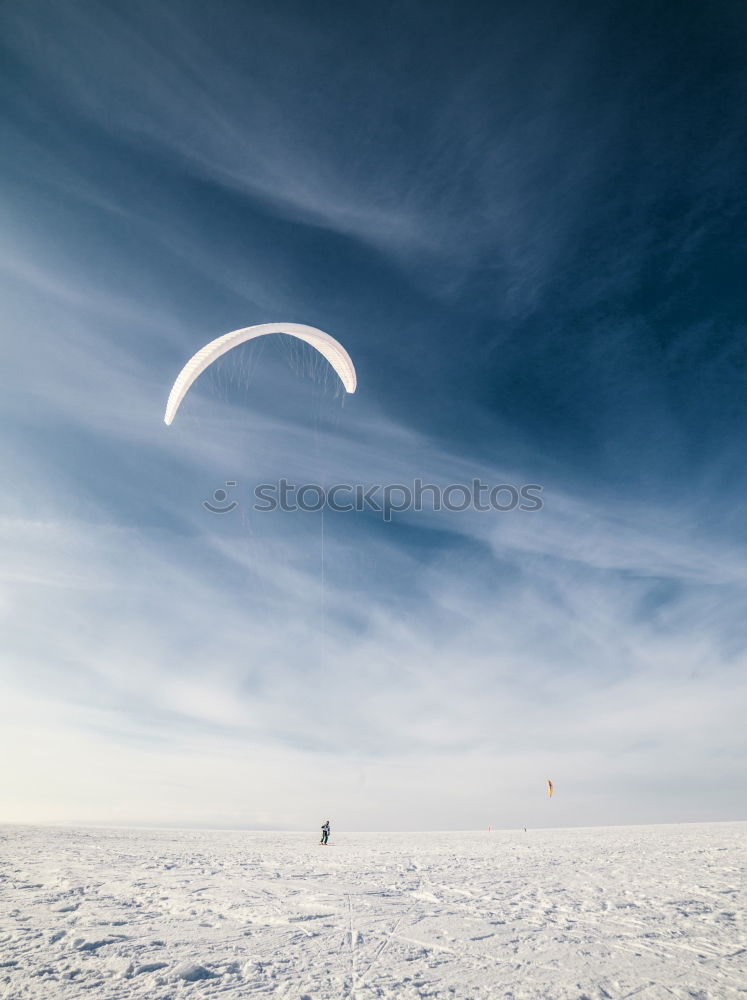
[(192, 973)]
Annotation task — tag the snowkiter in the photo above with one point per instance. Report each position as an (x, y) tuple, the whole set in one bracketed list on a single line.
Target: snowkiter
[(325, 831)]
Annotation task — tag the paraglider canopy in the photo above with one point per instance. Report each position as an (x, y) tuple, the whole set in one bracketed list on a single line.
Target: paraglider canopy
[(327, 346)]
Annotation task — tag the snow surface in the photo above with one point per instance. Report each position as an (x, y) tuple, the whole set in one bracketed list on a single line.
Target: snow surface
[(595, 913)]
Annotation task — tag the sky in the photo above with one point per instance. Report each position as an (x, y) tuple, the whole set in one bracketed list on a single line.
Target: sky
[(525, 222)]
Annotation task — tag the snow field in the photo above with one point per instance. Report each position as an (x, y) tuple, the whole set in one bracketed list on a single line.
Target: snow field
[(642, 912)]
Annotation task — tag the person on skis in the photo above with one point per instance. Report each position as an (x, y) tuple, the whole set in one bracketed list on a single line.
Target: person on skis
[(325, 832)]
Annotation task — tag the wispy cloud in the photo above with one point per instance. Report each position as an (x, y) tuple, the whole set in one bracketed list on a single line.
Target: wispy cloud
[(479, 175), (562, 632)]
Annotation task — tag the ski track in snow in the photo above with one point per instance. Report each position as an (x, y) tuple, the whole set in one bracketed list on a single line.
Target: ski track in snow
[(643, 912)]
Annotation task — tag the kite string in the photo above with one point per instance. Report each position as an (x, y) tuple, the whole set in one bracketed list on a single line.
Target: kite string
[(318, 465), (323, 595)]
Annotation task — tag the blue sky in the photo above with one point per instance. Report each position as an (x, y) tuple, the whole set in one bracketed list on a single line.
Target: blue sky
[(525, 222)]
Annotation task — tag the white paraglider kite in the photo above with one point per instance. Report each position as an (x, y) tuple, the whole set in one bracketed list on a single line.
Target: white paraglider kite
[(327, 346)]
